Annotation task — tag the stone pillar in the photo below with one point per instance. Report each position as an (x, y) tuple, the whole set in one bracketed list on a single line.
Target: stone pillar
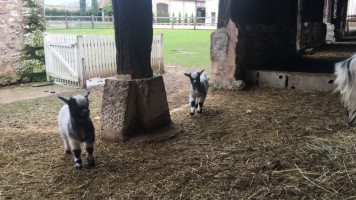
[(223, 58), (299, 43), (330, 28), (135, 100), (132, 106), (11, 39)]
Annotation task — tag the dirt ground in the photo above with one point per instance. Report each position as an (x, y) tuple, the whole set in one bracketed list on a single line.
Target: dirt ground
[(294, 145), (22, 92)]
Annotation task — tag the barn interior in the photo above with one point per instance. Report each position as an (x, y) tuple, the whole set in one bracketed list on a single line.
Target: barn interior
[(283, 36)]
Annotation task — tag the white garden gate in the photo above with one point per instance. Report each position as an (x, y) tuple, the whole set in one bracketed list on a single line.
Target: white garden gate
[(74, 59)]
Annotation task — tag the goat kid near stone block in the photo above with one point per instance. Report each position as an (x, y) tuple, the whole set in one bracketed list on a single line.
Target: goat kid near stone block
[(345, 72), (75, 127), (198, 90)]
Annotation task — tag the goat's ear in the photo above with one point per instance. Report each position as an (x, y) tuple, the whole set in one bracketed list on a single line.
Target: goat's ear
[(187, 74), (201, 71), (64, 99), (87, 94)]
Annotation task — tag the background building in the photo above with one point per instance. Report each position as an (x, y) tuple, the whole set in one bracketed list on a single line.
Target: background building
[(351, 9), (206, 8)]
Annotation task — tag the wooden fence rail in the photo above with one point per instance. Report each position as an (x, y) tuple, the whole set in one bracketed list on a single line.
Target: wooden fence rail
[(74, 59), (106, 22)]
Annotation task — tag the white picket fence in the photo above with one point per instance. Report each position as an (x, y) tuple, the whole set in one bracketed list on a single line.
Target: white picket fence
[(74, 59)]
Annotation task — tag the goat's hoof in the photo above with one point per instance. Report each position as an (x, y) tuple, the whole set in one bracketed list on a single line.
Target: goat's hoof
[(91, 163), (191, 113), (199, 111), (351, 124), (68, 152), (78, 166)]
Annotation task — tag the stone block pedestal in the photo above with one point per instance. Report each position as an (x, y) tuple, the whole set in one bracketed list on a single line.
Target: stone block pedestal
[(132, 106)]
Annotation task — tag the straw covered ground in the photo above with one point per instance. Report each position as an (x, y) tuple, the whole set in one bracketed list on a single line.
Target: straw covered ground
[(294, 145)]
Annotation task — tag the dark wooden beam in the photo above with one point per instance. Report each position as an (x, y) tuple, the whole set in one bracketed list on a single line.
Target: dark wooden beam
[(133, 37), (224, 13)]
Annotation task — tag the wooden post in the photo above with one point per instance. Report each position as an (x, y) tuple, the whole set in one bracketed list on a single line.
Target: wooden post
[(348, 24), (195, 22), (66, 22), (80, 62), (130, 106), (46, 58), (299, 24), (92, 21), (102, 16), (224, 13), (172, 22), (161, 63), (133, 37), (47, 62)]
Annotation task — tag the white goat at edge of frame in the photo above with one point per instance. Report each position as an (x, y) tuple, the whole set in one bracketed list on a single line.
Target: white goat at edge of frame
[(345, 72), (75, 127), (198, 90)]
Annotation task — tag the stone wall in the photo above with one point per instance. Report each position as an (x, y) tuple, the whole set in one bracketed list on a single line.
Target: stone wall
[(21, 40), (313, 34), (255, 46), (311, 28), (258, 33), (11, 38)]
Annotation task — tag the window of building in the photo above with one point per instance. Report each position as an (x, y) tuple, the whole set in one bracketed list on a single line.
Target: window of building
[(162, 7), (213, 17)]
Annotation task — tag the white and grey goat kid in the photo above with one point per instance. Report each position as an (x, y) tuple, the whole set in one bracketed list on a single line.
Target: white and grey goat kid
[(345, 72), (76, 127), (198, 90)]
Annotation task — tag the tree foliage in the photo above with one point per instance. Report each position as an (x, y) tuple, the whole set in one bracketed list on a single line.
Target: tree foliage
[(108, 10), (168, 18), (83, 7), (186, 19), (61, 12), (94, 7), (179, 18)]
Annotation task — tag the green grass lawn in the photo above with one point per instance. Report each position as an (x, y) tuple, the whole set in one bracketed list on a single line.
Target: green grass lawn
[(191, 41), (196, 42)]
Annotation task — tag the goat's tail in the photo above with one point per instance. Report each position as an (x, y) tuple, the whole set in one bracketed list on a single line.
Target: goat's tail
[(345, 72)]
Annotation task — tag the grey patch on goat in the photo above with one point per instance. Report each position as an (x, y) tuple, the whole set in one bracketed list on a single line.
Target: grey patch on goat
[(345, 72), (81, 100)]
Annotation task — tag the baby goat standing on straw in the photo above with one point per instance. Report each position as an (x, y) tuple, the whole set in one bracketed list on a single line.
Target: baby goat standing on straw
[(198, 90), (76, 127)]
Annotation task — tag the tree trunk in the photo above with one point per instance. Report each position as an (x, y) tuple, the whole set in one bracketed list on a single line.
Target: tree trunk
[(133, 37), (224, 13)]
